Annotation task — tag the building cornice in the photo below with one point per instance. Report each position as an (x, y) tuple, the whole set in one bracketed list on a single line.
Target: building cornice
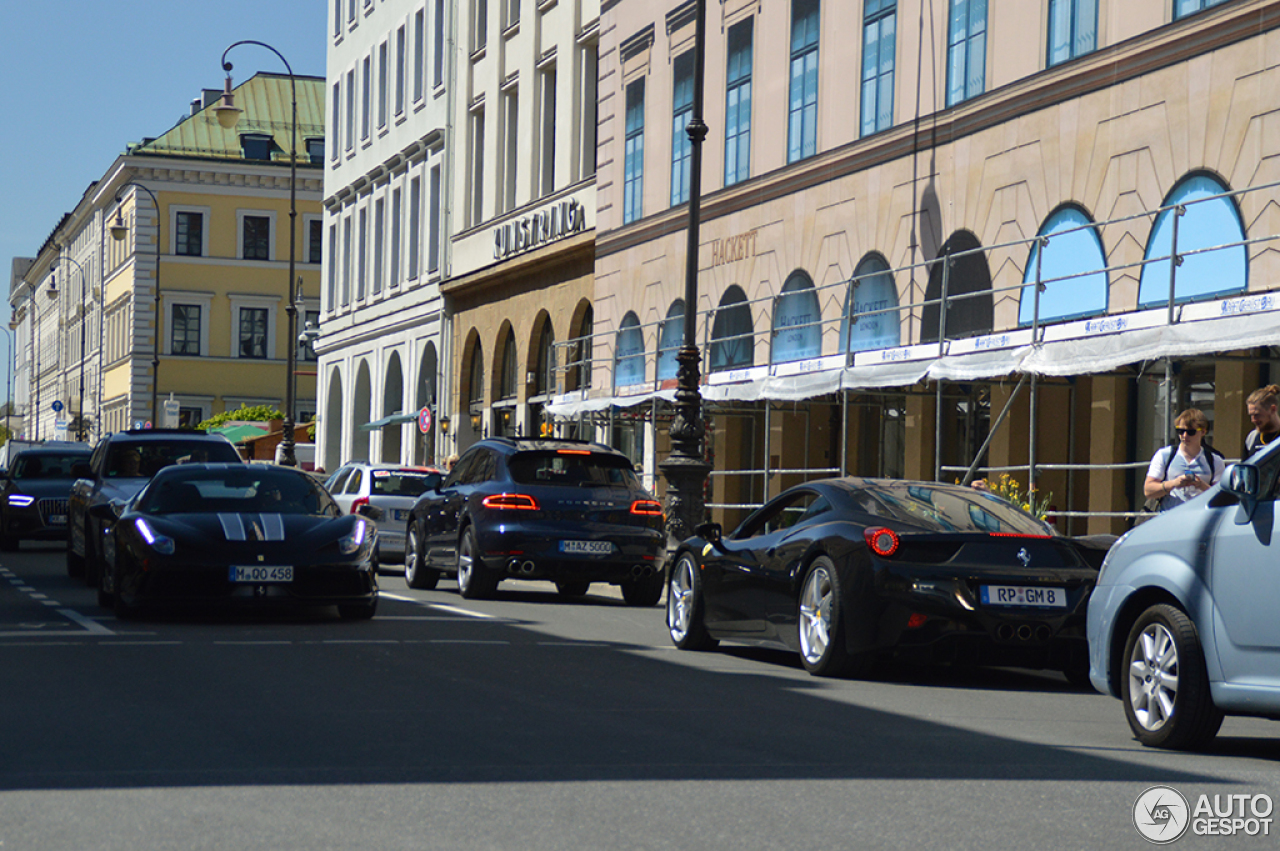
[(573, 248)]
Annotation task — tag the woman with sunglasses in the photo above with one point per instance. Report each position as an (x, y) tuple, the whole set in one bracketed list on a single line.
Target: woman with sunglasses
[(1182, 472)]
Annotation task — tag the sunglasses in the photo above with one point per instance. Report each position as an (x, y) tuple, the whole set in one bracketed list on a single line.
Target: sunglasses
[(1186, 430)]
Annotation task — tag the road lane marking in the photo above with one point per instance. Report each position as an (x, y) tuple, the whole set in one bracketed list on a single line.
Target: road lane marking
[(443, 607), (91, 625), (462, 641)]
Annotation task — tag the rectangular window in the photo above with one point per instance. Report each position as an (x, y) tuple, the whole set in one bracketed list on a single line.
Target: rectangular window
[(509, 164), (879, 43), (382, 85), (681, 112), (257, 238), (333, 268), (366, 94), (379, 244), (587, 156), (737, 122), (510, 13), (362, 253), (396, 218), (419, 53), (415, 222), (802, 105), (433, 235), (437, 60), (336, 130), (966, 50), (1073, 29), (351, 110), (337, 17), (253, 332), (400, 59), (548, 140), (190, 234), (1182, 8), (477, 167), (480, 24), (315, 241), (633, 154), (346, 261), (185, 336)]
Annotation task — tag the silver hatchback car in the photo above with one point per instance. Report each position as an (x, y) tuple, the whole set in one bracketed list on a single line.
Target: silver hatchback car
[(392, 487), (1183, 624)]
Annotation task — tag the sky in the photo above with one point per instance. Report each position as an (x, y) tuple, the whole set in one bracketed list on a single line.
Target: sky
[(83, 78)]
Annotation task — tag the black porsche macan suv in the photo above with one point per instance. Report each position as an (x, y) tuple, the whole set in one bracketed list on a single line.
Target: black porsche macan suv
[(570, 512)]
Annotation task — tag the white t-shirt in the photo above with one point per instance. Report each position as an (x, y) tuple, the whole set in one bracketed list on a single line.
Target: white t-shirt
[(1206, 467)]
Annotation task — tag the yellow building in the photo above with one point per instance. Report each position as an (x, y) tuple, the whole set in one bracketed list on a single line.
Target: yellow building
[(193, 228)]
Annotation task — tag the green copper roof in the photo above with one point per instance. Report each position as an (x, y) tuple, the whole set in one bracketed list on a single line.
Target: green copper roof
[(265, 99)]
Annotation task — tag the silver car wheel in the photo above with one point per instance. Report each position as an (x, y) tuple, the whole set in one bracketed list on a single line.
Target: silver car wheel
[(1153, 676), (816, 599), (465, 562), (680, 599), (411, 555)]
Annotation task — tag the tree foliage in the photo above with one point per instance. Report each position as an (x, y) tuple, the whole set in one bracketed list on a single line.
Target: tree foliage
[(255, 414)]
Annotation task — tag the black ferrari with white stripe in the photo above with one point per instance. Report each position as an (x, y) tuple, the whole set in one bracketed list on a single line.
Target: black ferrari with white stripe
[(235, 534)]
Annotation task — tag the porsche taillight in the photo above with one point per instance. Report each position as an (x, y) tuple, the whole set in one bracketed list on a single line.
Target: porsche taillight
[(647, 507), (883, 542), (517, 501)]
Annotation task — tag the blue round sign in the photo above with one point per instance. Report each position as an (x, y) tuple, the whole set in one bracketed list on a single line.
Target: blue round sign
[(57, 406)]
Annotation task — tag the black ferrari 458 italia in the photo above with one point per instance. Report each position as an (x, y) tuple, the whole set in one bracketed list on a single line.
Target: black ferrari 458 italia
[(847, 570), (237, 534)]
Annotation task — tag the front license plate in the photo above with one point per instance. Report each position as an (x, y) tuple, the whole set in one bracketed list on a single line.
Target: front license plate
[(399, 514), (1018, 595), (261, 573), (595, 548), (58, 520)]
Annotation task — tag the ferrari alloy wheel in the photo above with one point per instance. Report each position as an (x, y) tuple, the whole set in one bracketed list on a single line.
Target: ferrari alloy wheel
[(819, 619), (416, 573), (685, 607), (474, 582), (1165, 686)]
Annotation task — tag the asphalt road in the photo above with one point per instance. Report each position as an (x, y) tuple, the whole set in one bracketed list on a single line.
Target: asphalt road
[(535, 722)]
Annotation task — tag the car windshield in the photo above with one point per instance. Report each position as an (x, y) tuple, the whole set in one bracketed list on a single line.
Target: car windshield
[(131, 459), (237, 490), (948, 509), (45, 466), (573, 467), (404, 482)]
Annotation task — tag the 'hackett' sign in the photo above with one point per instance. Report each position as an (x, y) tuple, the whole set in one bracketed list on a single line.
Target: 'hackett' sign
[(555, 222)]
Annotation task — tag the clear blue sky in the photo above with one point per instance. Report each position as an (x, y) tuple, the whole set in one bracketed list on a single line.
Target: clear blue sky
[(80, 79)]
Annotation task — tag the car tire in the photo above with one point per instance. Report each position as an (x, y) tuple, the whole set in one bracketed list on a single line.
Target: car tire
[(75, 562), (643, 592), (685, 607), (416, 573), (92, 574), (474, 582), (357, 611), (820, 622), (1163, 645), (124, 610), (8, 543), (572, 589)]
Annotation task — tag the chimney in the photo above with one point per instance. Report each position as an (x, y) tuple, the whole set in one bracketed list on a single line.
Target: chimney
[(208, 97), (196, 106)]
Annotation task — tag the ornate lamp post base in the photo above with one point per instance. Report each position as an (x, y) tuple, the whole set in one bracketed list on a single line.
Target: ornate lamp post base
[(685, 468)]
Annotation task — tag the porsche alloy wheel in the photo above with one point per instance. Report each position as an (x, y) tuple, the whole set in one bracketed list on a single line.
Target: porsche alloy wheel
[(1165, 685), (685, 607), (416, 573), (474, 582)]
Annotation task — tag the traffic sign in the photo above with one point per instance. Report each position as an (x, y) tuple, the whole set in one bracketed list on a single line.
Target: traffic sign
[(424, 420), (57, 406)]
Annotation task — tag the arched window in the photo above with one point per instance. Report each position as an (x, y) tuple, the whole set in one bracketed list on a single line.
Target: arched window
[(873, 290), (670, 339), (475, 382), (966, 317), (544, 376), (1205, 224), (507, 375), (629, 353), (797, 334), (392, 403), (1072, 270), (732, 346), (578, 368)]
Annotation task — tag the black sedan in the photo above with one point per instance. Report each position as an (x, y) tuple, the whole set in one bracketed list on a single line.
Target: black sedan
[(237, 534), (847, 570)]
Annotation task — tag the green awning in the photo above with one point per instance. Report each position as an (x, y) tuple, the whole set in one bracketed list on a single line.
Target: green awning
[(394, 419), (237, 433)]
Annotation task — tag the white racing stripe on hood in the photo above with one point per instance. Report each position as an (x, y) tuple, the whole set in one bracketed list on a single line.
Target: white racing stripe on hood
[(264, 527), (232, 526), (273, 526)]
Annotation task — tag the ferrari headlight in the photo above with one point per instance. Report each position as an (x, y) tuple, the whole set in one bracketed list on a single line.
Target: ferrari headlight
[(350, 543), (18, 500), (162, 544)]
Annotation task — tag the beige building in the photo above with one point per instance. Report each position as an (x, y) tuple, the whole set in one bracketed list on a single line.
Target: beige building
[(914, 212), (169, 279)]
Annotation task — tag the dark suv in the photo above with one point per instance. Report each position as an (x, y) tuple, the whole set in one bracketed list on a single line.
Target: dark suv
[(121, 464), (34, 493), (525, 508)]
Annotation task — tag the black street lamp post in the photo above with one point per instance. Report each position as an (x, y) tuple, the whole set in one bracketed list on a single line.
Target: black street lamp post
[(228, 114), (118, 232), (81, 434), (686, 468)]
